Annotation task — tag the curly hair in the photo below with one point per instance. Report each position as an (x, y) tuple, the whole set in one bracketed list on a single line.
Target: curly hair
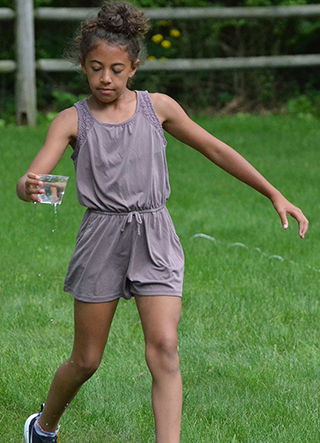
[(118, 24)]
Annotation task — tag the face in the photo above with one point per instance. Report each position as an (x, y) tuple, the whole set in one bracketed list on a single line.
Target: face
[(108, 69)]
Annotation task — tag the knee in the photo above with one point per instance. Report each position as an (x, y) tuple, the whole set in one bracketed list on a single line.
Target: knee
[(85, 365), (162, 354)]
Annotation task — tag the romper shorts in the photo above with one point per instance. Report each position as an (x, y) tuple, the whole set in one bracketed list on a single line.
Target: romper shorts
[(121, 254)]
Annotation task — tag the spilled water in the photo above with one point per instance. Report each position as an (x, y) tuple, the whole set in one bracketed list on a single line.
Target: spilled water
[(34, 224), (55, 219), (54, 230)]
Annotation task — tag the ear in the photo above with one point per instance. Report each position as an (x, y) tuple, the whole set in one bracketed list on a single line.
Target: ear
[(134, 68), (82, 64)]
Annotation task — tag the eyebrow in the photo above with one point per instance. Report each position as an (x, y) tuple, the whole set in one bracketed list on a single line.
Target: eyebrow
[(100, 63)]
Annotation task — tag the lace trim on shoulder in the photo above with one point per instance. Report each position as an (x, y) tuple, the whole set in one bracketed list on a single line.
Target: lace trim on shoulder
[(85, 123), (148, 111)]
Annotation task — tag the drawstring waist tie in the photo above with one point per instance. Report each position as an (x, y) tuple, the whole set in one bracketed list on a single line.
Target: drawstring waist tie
[(129, 216)]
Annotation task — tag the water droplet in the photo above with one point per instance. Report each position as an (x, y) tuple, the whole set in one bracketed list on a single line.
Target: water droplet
[(55, 218)]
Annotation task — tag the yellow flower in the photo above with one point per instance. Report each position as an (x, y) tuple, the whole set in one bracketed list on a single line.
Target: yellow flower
[(151, 58), (165, 23), (166, 44), (175, 33), (157, 38)]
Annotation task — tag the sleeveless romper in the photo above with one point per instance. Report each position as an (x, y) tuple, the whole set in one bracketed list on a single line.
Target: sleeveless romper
[(126, 244)]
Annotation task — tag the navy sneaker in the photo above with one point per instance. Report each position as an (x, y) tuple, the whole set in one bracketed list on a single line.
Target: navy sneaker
[(31, 436)]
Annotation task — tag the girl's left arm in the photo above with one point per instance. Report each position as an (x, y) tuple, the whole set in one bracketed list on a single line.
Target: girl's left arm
[(176, 122)]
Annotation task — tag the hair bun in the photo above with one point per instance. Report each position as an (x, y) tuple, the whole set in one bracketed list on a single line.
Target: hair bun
[(117, 23), (122, 18)]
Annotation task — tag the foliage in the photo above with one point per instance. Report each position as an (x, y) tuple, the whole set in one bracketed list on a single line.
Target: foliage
[(304, 105), (258, 89)]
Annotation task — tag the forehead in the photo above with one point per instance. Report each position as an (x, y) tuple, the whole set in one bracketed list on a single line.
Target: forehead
[(105, 52)]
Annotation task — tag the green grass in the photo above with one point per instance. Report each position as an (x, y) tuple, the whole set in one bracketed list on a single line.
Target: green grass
[(250, 329)]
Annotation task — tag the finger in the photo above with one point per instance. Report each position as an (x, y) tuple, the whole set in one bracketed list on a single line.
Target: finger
[(29, 188), (34, 182), (33, 179), (303, 227), (33, 176), (284, 220), (302, 222), (32, 190)]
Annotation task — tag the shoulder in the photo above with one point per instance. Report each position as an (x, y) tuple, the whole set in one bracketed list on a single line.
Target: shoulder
[(67, 117), (172, 116), (177, 123), (164, 106), (66, 122)]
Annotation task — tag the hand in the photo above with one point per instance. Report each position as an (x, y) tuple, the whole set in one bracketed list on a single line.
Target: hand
[(32, 190), (284, 207)]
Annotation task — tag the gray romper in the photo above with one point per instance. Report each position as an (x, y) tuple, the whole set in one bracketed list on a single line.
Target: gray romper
[(126, 244)]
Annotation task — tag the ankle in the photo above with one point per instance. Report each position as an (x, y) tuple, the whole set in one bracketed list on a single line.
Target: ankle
[(44, 432)]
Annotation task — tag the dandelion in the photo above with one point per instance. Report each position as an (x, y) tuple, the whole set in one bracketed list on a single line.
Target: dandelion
[(157, 38), (151, 58), (175, 33), (166, 44)]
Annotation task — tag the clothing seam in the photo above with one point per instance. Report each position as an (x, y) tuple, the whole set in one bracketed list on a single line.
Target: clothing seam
[(81, 119), (147, 110), (151, 294), (126, 213), (124, 123)]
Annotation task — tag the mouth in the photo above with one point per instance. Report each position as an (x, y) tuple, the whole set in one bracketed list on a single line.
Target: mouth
[(105, 91)]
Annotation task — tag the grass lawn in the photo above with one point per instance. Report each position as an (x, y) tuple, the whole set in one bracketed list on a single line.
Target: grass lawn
[(250, 329)]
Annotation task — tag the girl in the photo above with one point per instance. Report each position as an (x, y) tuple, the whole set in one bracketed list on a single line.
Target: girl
[(126, 245)]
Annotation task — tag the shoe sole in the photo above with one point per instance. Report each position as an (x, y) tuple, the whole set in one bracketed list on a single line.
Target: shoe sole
[(27, 428)]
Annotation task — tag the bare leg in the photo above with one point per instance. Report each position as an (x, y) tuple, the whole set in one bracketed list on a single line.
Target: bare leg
[(160, 317), (92, 326)]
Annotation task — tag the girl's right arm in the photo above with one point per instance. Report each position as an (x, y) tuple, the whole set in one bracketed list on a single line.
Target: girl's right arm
[(62, 132)]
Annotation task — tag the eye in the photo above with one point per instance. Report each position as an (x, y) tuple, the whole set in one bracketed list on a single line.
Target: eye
[(95, 68), (116, 71)]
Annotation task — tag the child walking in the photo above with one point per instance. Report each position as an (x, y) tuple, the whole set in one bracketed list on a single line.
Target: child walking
[(126, 246)]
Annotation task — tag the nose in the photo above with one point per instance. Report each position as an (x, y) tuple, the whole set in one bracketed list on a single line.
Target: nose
[(105, 76)]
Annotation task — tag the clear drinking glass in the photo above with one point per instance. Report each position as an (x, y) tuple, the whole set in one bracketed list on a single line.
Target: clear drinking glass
[(54, 186)]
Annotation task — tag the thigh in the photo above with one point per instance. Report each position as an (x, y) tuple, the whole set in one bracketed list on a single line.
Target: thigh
[(92, 322), (98, 266), (157, 261), (160, 316)]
